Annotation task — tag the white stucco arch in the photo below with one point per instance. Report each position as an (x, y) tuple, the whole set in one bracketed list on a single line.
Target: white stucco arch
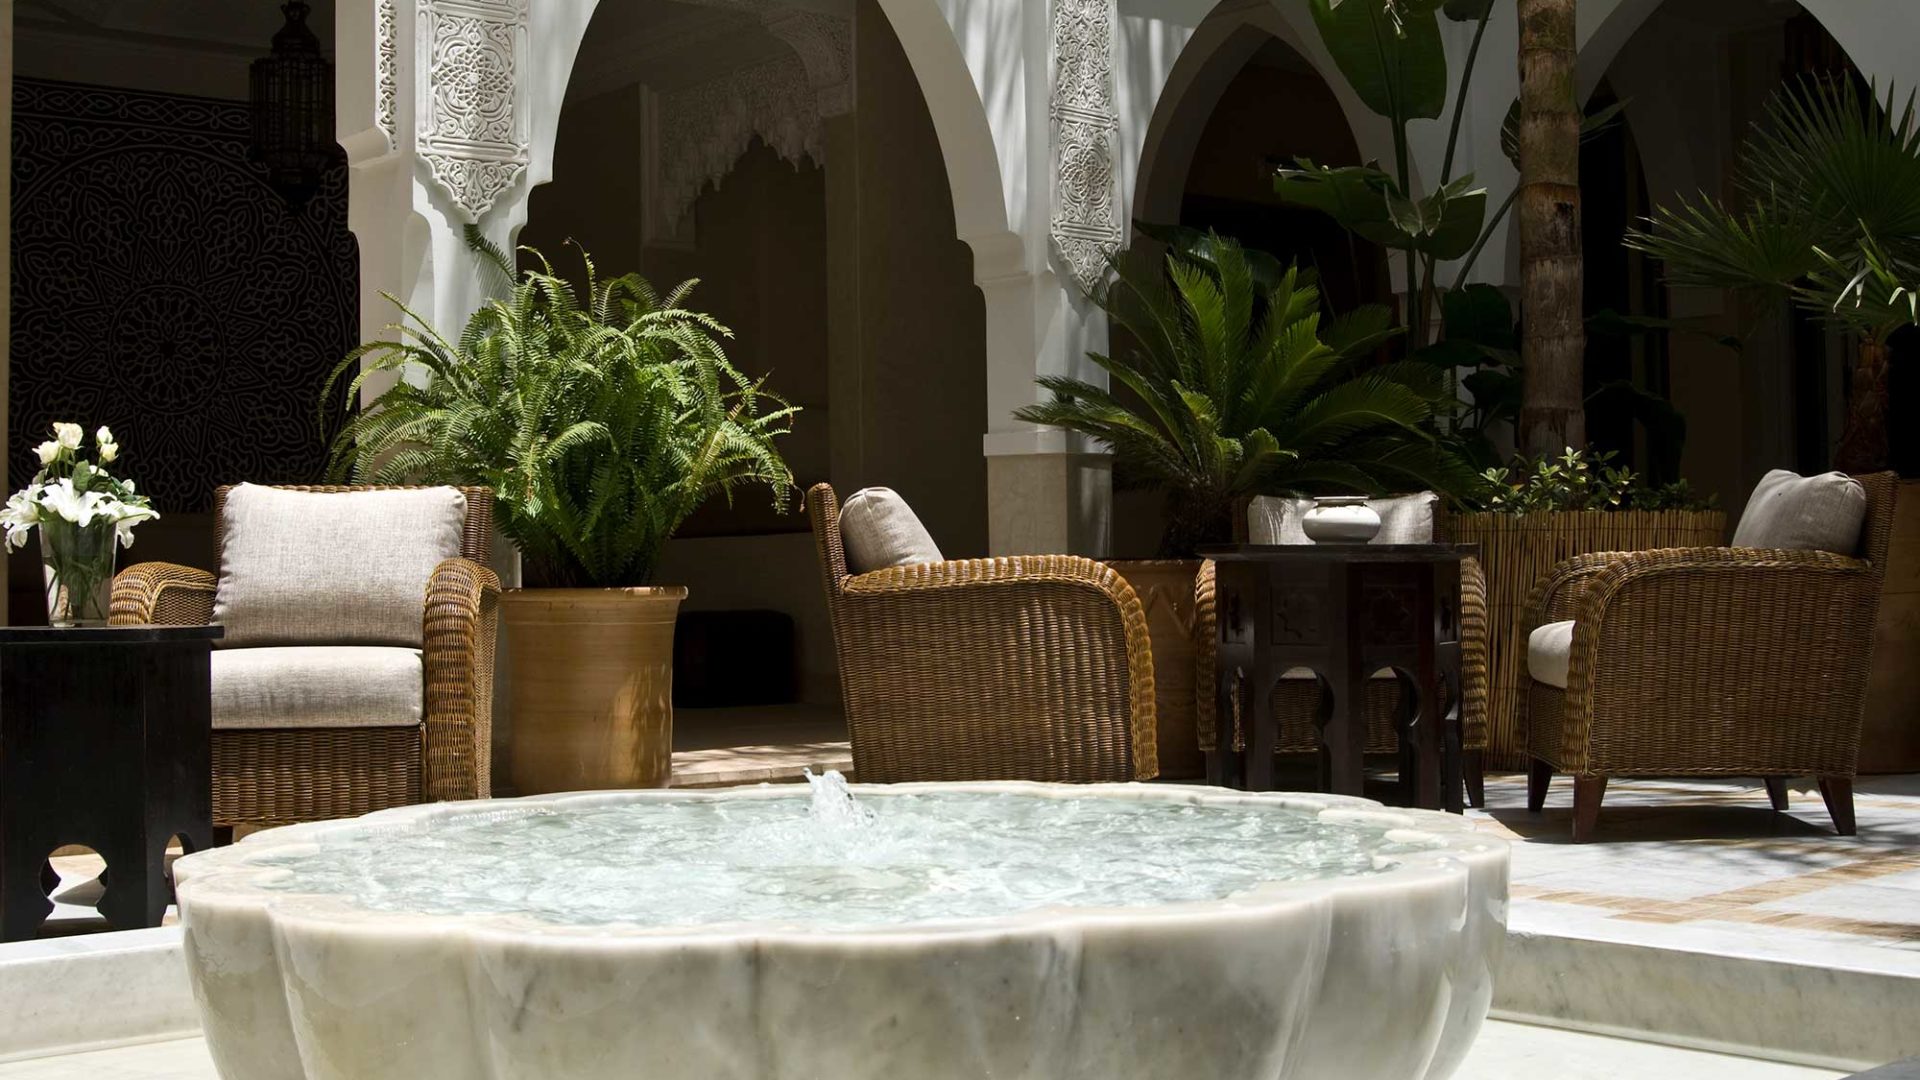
[(1210, 59), (1174, 64)]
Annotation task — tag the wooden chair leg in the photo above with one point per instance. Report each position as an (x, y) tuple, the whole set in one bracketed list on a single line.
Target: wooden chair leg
[(1777, 792), (1539, 777), (1475, 767), (1838, 792), (1587, 793)]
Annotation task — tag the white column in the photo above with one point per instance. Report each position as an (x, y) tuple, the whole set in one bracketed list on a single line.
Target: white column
[(448, 111)]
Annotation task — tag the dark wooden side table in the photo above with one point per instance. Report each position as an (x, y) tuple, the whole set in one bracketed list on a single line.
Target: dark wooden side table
[(1345, 611), (106, 741)]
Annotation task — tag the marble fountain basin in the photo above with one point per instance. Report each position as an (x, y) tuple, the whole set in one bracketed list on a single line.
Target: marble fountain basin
[(906, 932)]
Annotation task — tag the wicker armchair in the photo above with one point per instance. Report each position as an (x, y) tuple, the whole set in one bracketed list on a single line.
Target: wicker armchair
[(1023, 668), (1696, 662), (277, 776), (1296, 704)]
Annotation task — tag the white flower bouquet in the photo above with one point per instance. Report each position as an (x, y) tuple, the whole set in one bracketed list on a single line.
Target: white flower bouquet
[(84, 515)]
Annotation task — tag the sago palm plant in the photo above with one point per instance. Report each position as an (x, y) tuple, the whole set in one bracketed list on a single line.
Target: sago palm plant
[(1233, 389), (1829, 216), (601, 418)]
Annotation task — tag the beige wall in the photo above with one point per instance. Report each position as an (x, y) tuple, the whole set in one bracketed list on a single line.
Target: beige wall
[(847, 283)]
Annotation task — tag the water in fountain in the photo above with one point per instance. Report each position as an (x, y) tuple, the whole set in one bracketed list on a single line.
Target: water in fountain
[(833, 804), (829, 862)]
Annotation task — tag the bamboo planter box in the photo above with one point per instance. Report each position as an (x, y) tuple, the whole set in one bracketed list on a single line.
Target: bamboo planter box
[(1517, 550)]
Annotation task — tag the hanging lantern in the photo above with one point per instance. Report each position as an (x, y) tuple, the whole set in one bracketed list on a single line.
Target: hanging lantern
[(293, 109)]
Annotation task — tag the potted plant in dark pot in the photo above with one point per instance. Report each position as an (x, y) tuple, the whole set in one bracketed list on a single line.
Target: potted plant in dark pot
[(1226, 385), (601, 416)]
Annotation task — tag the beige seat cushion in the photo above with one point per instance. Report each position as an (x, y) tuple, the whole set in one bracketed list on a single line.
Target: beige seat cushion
[(880, 530), (1804, 513), (349, 568), (1404, 519), (317, 686), (1549, 651)]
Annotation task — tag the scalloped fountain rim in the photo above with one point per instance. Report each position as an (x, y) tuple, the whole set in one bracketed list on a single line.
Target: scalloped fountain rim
[(229, 875)]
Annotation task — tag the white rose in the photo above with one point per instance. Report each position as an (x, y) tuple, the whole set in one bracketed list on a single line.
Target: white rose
[(108, 451), (69, 435), (103, 436), (47, 452)]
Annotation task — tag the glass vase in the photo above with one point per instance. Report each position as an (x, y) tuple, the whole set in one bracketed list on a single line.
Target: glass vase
[(79, 571)]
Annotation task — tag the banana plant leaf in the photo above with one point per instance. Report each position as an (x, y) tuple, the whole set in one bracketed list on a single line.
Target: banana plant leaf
[(1391, 54), (1367, 202)]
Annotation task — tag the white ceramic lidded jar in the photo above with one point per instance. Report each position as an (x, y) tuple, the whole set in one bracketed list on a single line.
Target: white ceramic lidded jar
[(1340, 519)]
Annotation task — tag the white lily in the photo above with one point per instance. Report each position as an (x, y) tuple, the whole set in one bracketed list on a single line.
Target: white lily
[(69, 435), (19, 517), (129, 516), (47, 451), (79, 507)]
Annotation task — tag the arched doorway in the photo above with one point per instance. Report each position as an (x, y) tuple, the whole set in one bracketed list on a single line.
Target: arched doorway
[(1695, 77), (702, 140)]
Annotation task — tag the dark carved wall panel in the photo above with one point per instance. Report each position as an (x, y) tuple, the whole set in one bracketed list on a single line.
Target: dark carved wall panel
[(160, 286)]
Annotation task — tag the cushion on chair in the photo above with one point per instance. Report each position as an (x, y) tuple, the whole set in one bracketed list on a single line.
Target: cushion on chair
[(1549, 652), (1404, 519), (317, 686), (1804, 513), (880, 530), (348, 568)]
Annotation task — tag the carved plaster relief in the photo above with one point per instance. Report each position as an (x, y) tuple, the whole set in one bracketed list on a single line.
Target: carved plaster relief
[(386, 87), (472, 127), (1086, 225), (705, 128), (825, 45)]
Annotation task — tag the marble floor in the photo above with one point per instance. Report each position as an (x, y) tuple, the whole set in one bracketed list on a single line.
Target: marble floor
[(1504, 1052), (1711, 864)]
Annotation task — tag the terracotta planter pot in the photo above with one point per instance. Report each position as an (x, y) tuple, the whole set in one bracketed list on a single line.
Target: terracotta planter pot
[(1517, 551), (1890, 738), (1165, 587), (590, 687)]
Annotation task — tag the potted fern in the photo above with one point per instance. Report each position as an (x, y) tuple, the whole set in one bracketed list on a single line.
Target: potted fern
[(601, 417), (1234, 388)]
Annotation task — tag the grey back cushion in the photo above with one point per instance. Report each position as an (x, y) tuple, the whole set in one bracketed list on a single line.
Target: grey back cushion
[(1790, 512), (1404, 519), (347, 568), (879, 530)]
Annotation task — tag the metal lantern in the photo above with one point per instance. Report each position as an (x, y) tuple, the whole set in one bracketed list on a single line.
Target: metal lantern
[(292, 101)]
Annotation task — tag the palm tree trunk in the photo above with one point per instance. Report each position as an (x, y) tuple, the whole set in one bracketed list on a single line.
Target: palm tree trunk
[(1553, 410), (1863, 440)]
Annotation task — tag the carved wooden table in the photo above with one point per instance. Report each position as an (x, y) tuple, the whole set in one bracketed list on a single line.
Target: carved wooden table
[(105, 740), (1343, 612)]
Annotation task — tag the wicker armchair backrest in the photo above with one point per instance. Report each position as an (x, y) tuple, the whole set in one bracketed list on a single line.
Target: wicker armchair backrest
[(823, 509), (476, 536), (1876, 535)]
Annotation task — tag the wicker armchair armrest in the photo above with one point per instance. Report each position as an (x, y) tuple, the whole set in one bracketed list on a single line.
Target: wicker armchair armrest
[(1556, 597), (162, 594), (1028, 581), (1475, 654), (461, 627)]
